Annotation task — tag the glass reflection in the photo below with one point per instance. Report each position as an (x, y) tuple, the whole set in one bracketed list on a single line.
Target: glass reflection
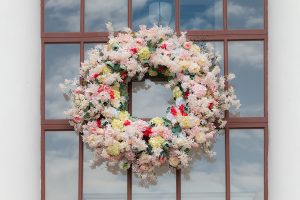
[(218, 49), (62, 62), (246, 61), (201, 15), (150, 99), (206, 179), (99, 12), (245, 14), (247, 164), (61, 167), (160, 12), (62, 16), (99, 183), (164, 189)]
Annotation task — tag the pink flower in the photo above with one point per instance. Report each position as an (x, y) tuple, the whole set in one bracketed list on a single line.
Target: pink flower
[(187, 45), (199, 90), (77, 118)]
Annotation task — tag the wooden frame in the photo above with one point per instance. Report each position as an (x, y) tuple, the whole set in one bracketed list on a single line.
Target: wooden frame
[(224, 35)]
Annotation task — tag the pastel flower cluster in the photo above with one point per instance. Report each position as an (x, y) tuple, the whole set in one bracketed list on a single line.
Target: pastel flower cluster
[(99, 102)]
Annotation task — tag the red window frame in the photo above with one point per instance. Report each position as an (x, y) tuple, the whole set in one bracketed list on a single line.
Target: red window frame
[(224, 35)]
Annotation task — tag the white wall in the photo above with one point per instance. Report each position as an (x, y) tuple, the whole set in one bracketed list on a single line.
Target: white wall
[(19, 108), (284, 99), (19, 97)]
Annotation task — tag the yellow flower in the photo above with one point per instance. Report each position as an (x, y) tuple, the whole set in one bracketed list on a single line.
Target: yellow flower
[(184, 64), (105, 70), (116, 86), (185, 122), (152, 72), (117, 124), (156, 141), (116, 94), (177, 92), (157, 121), (114, 150), (123, 115), (200, 137), (174, 161), (144, 53)]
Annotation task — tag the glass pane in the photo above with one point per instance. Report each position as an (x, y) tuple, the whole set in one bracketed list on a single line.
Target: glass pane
[(99, 12), (99, 183), (201, 15), (246, 14), (246, 61), (150, 99), (88, 47), (206, 179), (62, 62), (218, 49), (247, 164), (61, 167), (152, 12), (62, 16), (165, 189)]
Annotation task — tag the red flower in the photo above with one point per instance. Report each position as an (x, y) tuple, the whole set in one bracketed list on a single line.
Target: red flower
[(186, 94), (147, 132), (123, 76), (133, 50), (160, 68), (173, 111), (99, 123), (127, 122), (210, 106), (163, 46), (111, 94), (95, 75), (181, 108)]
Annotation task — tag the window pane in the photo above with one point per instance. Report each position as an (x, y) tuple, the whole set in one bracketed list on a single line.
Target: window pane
[(246, 14), (247, 164), (99, 12), (61, 167), (165, 189), (218, 48), (99, 183), (201, 15), (150, 99), (246, 61), (206, 180), (62, 16), (153, 12), (62, 62)]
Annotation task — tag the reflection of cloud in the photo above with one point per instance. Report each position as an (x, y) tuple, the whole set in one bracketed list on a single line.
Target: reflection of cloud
[(150, 99), (62, 62), (241, 15), (246, 54), (98, 13), (208, 16), (61, 165)]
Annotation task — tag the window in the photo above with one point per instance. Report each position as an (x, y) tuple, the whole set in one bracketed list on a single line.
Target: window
[(237, 29)]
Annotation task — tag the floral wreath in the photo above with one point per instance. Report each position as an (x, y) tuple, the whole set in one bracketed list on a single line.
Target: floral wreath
[(99, 101)]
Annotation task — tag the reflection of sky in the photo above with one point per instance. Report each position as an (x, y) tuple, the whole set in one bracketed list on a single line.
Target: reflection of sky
[(62, 16), (201, 15), (62, 62), (246, 62), (99, 12), (246, 163), (150, 99), (206, 179), (98, 182), (245, 14), (61, 165), (147, 11)]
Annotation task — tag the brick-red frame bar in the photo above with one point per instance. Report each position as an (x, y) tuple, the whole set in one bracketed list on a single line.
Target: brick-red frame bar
[(224, 36)]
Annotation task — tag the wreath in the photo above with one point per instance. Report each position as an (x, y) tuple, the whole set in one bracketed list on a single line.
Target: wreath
[(99, 101)]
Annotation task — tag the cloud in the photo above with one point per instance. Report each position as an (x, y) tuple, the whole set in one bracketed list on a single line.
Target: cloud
[(246, 54)]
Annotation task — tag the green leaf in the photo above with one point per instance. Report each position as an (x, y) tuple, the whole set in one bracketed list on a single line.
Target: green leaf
[(176, 129), (86, 115)]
